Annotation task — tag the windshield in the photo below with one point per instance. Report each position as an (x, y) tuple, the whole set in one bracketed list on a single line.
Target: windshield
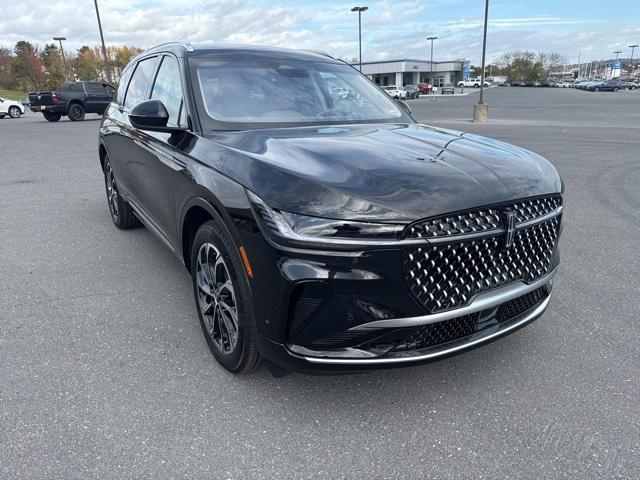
[(272, 91)]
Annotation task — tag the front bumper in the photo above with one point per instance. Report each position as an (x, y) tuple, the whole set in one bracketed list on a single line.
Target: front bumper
[(324, 312)]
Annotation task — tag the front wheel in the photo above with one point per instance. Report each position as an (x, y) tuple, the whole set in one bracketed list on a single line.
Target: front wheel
[(76, 112), (596, 89), (14, 112), (223, 299)]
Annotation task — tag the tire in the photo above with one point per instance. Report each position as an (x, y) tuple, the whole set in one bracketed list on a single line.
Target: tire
[(596, 89), (52, 117), (1, 115), (121, 212), (615, 89), (218, 278), (14, 112), (76, 112)]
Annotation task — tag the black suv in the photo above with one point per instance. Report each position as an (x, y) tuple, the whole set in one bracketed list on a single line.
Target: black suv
[(326, 232)]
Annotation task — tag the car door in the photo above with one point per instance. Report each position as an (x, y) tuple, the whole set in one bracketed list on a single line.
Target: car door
[(3, 106), (122, 140), (97, 97), (162, 162)]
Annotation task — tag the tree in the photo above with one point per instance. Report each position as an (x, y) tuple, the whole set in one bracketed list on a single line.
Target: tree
[(523, 66), (86, 64), (5, 67), (120, 57), (26, 68), (53, 66)]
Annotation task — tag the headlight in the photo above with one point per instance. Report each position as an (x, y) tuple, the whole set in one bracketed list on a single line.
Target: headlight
[(306, 231)]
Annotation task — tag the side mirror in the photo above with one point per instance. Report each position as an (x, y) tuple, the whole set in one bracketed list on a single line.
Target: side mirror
[(405, 106), (151, 115)]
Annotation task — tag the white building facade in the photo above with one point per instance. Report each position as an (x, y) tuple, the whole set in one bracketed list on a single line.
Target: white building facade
[(412, 72)]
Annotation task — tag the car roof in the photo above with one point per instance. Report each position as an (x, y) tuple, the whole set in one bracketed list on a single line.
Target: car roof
[(232, 51)]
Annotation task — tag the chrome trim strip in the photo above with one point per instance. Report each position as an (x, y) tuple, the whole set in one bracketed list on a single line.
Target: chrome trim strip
[(372, 361), (493, 232), (543, 218), (483, 301)]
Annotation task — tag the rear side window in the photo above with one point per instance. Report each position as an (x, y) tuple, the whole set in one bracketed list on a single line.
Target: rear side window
[(76, 87), (93, 87), (122, 86), (168, 89), (140, 82)]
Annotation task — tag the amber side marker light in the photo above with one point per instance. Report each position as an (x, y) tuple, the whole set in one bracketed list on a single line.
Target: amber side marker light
[(245, 260)]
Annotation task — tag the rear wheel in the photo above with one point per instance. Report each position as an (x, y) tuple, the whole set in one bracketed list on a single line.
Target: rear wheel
[(52, 117), (596, 89), (223, 299), (14, 112), (76, 112), (121, 212)]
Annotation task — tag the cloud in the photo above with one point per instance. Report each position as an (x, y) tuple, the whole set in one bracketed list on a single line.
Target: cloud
[(391, 29)]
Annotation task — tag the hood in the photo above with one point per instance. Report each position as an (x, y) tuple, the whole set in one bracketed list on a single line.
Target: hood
[(389, 173)]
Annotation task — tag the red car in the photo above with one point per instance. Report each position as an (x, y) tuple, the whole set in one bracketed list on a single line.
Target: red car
[(424, 88)]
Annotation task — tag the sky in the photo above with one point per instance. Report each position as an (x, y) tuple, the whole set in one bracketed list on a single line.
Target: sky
[(390, 29)]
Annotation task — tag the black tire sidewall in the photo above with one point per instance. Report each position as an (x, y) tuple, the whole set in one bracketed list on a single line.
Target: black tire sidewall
[(52, 117), (216, 233), (76, 112)]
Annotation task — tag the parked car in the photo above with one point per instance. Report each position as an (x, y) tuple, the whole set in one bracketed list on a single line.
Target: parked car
[(424, 88), (317, 232), (472, 82), (413, 91), (607, 86), (74, 99), (395, 91), (10, 108), (629, 85), (447, 88)]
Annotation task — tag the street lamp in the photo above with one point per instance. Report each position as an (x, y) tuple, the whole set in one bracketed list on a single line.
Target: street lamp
[(64, 59), (617, 52), (632, 47), (104, 49), (360, 10), (431, 63), (480, 110)]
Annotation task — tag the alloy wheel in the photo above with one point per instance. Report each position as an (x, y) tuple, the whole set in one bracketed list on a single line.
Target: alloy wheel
[(217, 299), (14, 112), (112, 191)]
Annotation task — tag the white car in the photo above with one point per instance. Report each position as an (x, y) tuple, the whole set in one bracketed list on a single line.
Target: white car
[(472, 82), (395, 91), (11, 108)]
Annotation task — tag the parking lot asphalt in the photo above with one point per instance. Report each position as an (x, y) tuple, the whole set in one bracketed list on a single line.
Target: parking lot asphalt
[(105, 373)]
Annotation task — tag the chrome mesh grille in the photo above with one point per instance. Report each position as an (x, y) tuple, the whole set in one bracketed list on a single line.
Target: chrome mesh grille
[(448, 275)]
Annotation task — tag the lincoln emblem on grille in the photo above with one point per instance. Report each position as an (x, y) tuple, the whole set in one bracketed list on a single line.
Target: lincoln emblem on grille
[(510, 222)]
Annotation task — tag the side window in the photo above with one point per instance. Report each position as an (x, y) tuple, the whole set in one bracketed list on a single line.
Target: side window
[(93, 87), (140, 82), (122, 86), (76, 87), (168, 89)]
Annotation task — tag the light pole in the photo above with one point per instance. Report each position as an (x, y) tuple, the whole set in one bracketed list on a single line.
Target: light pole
[(632, 47), (360, 10), (64, 59), (104, 49), (480, 110), (431, 62)]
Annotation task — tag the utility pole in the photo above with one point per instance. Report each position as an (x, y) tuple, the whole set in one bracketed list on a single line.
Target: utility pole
[(360, 10), (632, 47), (480, 110), (104, 49), (64, 59), (431, 63)]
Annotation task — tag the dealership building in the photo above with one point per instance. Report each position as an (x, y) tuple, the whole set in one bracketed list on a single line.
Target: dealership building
[(412, 72)]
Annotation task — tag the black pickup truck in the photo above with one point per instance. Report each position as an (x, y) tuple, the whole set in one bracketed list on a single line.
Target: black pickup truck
[(74, 99)]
